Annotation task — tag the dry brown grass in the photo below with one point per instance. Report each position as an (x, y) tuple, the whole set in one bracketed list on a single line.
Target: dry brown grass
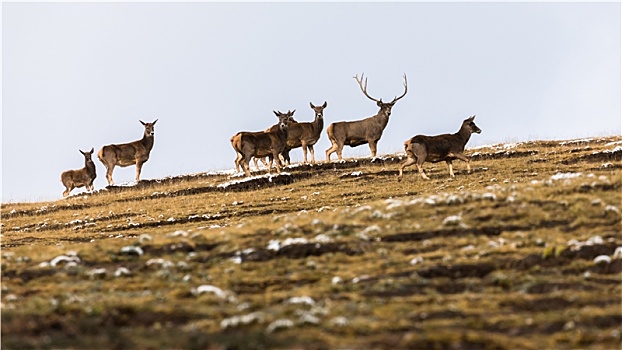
[(500, 258)]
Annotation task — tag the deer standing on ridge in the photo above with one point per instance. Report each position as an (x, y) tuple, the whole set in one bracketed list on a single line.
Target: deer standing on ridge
[(287, 117), (305, 134), (126, 154), (447, 147), (360, 132), (82, 177), (262, 144)]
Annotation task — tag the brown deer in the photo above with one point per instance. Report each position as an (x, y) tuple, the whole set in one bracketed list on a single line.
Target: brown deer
[(82, 177), (262, 144), (447, 147), (360, 132), (305, 134), (288, 117), (127, 154)]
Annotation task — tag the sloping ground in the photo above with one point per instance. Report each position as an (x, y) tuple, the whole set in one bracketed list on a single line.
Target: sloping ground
[(522, 253)]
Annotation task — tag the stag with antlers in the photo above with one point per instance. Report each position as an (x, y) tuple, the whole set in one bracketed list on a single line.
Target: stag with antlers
[(360, 132)]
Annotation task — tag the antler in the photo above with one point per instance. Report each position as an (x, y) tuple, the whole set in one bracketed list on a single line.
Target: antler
[(364, 88), (405, 90)]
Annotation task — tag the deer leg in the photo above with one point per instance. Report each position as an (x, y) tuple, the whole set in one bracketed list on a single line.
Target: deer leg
[(278, 162), (306, 148), (408, 161), (285, 156), (238, 158), (420, 169), (333, 147), (372, 147), (451, 169), (109, 170), (464, 158), (139, 167), (339, 151), (304, 152), (245, 164), (67, 190), (418, 152), (420, 160), (266, 162), (270, 160)]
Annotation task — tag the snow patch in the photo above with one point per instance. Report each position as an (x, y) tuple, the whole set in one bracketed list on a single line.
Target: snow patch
[(565, 176)]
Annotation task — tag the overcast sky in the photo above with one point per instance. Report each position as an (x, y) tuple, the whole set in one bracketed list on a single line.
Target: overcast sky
[(81, 75)]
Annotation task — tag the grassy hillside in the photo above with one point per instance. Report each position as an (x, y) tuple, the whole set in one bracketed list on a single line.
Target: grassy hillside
[(524, 252)]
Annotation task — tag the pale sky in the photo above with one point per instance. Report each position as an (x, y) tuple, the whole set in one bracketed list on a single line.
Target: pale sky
[(81, 75)]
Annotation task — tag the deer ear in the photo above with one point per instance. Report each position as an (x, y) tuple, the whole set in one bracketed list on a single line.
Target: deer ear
[(154, 122), (311, 104), (292, 112), (81, 152), (142, 122), (92, 150), (276, 113), (324, 105)]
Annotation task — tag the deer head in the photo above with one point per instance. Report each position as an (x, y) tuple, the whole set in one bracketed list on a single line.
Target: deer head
[(149, 128), (285, 119), (319, 110), (87, 155), (470, 125), (385, 107)]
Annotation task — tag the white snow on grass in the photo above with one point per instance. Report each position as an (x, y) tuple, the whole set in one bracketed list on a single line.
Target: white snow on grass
[(566, 176), (615, 150), (570, 142), (64, 259), (132, 250), (206, 288), (251, 178), (614, 143), (126, 184), (301, 300), (279, 324), (236, 321)]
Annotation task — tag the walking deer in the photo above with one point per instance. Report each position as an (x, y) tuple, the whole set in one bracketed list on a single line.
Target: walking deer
[(82, 177), (360, 132), (262, 144), (305, 134), (126, 154), (447, 147), (288, 117)]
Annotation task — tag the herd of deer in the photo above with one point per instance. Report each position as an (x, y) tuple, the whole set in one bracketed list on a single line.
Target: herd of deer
[(276, 142)]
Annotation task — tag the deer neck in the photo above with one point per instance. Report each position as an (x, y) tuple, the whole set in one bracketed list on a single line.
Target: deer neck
[(464, 134), (382, 118), (282, 133), (90, 167), (318, 125), (147, 142)]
